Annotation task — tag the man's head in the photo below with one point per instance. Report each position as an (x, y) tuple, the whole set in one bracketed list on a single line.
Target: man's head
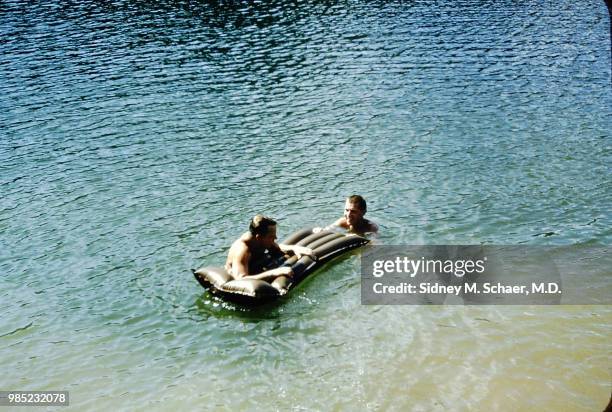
[(263, 229), (354, 209)]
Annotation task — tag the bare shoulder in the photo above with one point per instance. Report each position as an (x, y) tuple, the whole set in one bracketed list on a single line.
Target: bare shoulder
[(238, 250), (239, 246), (372, 227)]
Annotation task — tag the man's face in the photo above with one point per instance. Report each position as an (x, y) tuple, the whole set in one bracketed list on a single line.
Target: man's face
[(352, 213), (269, 238)]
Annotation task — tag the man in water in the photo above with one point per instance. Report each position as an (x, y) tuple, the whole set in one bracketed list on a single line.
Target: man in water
[(256, 250), (353, 221)]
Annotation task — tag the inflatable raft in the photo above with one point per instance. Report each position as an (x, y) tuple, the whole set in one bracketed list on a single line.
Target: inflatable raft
[(326, 245)]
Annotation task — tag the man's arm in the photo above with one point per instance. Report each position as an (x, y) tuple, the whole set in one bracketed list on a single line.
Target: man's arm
[(298, 250), (240, 268), (341, 223), (272, 274), (240, 261)]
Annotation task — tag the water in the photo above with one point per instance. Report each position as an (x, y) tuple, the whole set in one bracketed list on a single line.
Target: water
[(138, 139)]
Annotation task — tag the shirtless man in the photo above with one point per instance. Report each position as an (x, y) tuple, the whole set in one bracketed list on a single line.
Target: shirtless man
[(353, 221), (249, 254)]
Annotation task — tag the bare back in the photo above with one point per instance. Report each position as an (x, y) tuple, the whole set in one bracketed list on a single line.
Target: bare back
[(248, 257), (238, 257)]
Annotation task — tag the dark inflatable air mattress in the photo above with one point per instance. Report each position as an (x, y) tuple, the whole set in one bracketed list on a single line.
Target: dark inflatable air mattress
[(326, 245)]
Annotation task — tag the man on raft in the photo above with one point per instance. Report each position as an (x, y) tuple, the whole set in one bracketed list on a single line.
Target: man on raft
[(256, 250)]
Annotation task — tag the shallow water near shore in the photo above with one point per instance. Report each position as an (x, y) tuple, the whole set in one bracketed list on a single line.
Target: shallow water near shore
[(138, 139)]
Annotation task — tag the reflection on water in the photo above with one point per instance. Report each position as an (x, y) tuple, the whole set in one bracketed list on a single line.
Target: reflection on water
[(139, 138)]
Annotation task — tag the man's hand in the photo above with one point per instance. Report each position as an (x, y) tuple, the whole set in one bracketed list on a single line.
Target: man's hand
[(283, 271), (298, 250), (303, 251)]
